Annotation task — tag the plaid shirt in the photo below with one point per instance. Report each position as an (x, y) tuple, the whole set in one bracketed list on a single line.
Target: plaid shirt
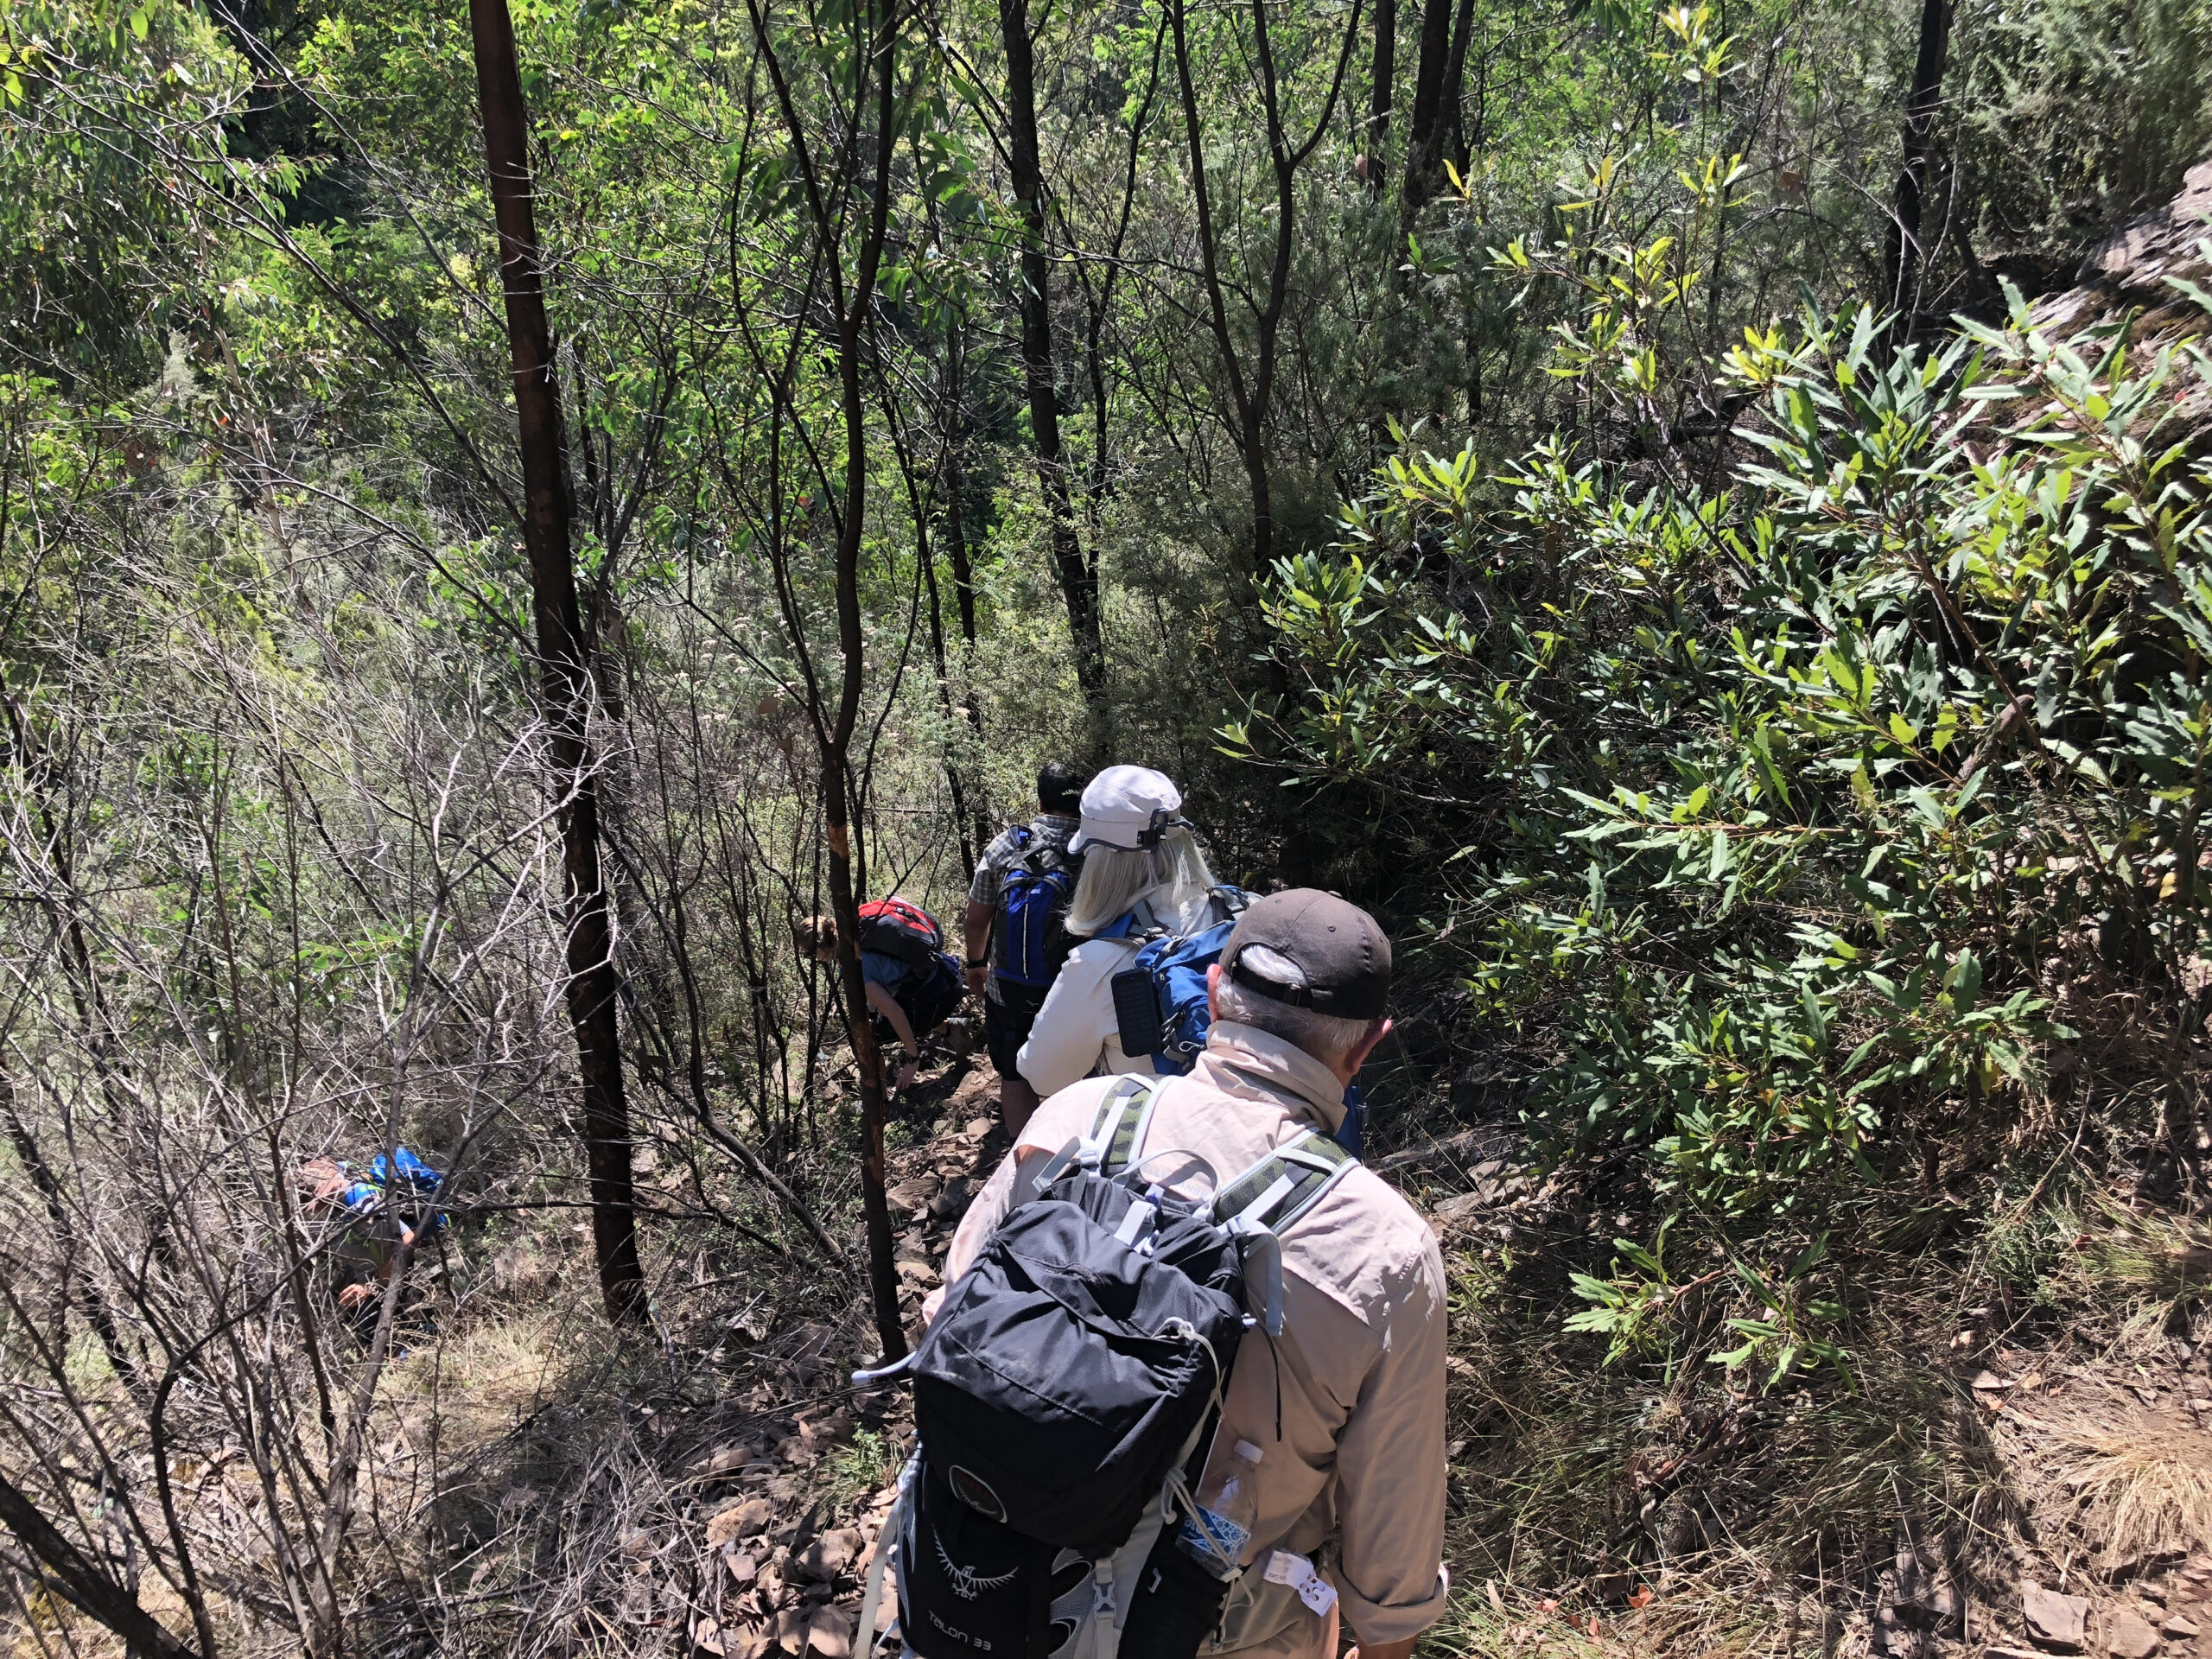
[(1049, 830)]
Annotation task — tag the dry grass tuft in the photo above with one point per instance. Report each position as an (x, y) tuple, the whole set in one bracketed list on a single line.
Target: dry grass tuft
[(2142, 1489), (2163, 1257)]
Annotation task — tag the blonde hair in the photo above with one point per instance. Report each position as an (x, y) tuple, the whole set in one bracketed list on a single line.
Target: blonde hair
[(1173, 877)]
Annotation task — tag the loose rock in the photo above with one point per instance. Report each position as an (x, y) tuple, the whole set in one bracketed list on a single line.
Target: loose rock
[(2054, 1619), (740, 1521), (2128, 1635)]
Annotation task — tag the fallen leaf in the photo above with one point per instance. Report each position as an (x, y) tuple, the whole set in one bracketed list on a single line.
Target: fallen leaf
[(1641, 1596)]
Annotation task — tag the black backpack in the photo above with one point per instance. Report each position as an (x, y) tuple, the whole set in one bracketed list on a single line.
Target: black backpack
[(1066, 1398)]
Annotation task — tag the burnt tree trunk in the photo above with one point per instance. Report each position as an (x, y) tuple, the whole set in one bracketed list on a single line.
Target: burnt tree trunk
[(1381, 92), (1902, 273), (1078, 578), (1451, 119), (1424, 128), (563, 663)]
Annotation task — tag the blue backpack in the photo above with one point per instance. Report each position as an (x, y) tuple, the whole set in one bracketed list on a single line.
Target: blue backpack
[(408, 1174), (1032, 922), (1160, 1000)]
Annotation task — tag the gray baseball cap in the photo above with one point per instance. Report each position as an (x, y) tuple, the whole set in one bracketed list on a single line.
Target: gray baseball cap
[(1321, 953)]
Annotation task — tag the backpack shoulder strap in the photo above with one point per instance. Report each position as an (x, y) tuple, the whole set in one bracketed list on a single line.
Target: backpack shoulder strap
[(1117, 1132), (1283, 1185), (1257, 1207), (1117, 1128)]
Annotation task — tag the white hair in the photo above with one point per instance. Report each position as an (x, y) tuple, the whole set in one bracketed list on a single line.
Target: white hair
[(1329, 1037), (1173, 877)]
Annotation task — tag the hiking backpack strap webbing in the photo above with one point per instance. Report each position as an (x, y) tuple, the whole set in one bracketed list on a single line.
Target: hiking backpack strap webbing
[(871, 1596), (1258, 1207), (1286, 1184), (1118, 1130)]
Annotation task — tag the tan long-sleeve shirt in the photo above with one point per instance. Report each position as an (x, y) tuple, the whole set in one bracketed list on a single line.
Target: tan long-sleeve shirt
[(1357, 1442)]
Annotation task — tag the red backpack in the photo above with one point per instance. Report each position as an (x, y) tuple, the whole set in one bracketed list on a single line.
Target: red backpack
[(899, 929)]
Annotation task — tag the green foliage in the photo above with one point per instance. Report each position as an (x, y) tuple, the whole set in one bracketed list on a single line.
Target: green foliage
[(1774, 798)]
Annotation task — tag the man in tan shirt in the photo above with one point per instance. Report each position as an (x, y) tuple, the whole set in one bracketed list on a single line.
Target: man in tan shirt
[(1347, 1405)]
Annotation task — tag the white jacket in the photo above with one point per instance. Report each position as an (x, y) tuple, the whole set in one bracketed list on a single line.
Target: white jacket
[(1076, 1035)]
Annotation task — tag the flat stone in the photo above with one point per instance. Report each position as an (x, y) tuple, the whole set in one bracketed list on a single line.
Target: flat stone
[(2054, 1619), (2178, 1628), (2128, 1634)]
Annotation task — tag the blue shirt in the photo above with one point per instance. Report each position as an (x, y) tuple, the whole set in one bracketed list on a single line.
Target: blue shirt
[(880, 968)]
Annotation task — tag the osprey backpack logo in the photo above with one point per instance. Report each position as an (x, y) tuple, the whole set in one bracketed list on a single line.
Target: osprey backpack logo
[(976, 1492), (966, 1582)]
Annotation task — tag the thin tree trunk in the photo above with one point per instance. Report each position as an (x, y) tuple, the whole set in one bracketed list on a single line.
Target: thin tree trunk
[(1452, 140), (102, 1320), (833, 731), (1381, 94), (951, 492), (1902, 266), (79, 1579), (1250, 398), (1425, 130), (1078, 584), (563, 664)]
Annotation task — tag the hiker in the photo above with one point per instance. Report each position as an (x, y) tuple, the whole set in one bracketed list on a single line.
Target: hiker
[(378, 1215), (913, 985), (1142, 871), (1016, 928), (1338, 1421)]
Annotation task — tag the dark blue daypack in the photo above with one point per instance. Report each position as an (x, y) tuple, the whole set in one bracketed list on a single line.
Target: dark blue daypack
[(1160, 1000), (929, 994), (1032, 921)]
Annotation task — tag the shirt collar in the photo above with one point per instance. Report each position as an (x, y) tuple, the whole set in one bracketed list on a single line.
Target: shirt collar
[(1246, 1060)]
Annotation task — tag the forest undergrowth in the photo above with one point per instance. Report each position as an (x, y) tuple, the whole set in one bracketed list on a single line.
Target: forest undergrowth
[(1699, 515)]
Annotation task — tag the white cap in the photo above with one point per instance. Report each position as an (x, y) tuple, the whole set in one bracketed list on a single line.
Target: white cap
[(1247, 1450), (1128, 808)]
